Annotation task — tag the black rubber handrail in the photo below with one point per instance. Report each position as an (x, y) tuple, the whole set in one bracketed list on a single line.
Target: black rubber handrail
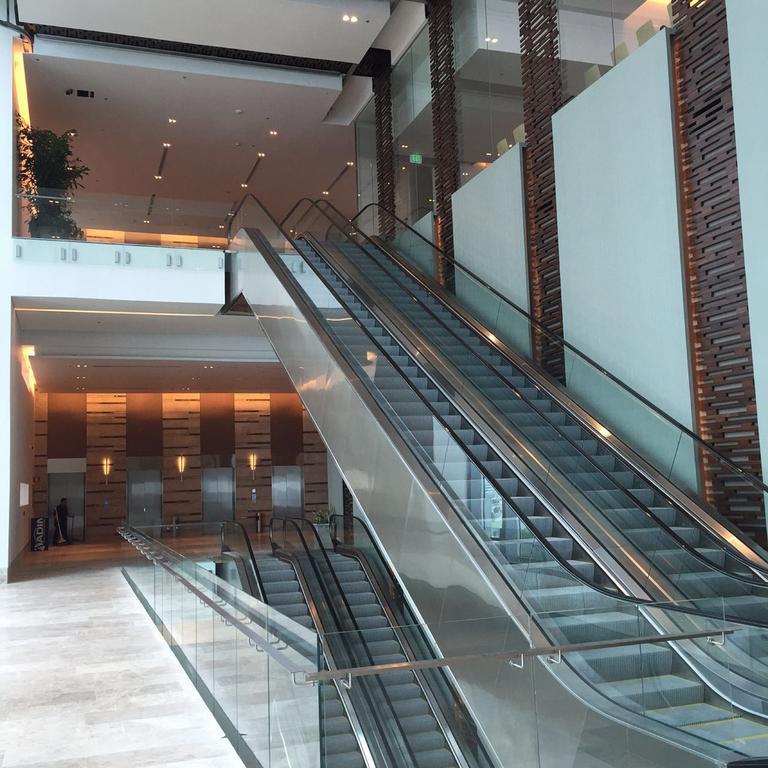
[(407, 620), (247, 539), (299, 524), (753, 480), (641, 506)]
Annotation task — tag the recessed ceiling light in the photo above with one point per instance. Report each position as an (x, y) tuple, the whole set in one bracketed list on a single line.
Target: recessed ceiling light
[(172, 120), (403, 146), (326, 192), (261, 154), (350, 163), (244, 185), (350, 19), (166, 145), (158, 177), (221, 226), (146, 221), (353, 19), (273, 133)]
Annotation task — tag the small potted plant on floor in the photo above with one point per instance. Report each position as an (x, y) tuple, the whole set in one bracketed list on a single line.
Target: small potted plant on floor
[(48, 174), (322, 521)]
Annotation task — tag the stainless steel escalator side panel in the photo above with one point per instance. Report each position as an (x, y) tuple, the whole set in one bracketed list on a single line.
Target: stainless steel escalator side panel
[(458, 580), (709, 519)]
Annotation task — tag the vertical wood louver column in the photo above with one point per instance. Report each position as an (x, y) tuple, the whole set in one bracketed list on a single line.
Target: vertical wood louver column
[(724, 387), (444, 131), (542, 97), (385, 143)]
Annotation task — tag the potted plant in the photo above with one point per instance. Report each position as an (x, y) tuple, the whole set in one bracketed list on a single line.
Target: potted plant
[(322, 521), (48, 173)]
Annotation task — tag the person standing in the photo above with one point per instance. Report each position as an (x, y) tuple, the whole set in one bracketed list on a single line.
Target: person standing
[(62, 518)]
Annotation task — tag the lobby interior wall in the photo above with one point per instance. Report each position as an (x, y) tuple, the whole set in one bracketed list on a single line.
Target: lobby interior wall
[(7, 182), (490, 240), (621, 251), (21, 454), (747, 20)]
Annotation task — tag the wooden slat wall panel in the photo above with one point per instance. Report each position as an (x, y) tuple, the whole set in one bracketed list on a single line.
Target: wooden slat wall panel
[(40, 481), (714, 259), (182, 497), (105, 433), (385, 146), (315, 468), (252, 435), (444, 130), (542, 96)]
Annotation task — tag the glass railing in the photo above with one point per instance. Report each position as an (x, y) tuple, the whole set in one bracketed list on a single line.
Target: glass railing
[(151, 220), (242, 656), (671, 449)]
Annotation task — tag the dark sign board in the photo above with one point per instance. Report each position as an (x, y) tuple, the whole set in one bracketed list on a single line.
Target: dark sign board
[(39, 536)]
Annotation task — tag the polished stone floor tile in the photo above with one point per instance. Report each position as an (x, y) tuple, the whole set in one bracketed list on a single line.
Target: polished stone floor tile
[(86, 680)]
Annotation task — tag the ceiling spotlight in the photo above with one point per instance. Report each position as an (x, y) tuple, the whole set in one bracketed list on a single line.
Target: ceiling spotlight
[(244, 185), (221, 226), (260, 154), (273, 133), (326, 192), (350, 19), (172, 120), (353, 19), (403, 146), (345, 17), (158, 177), (166, 145), (146, 221), (350, 164)]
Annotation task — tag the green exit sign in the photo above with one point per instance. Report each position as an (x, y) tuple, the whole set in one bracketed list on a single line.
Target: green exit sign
[(415, 158)]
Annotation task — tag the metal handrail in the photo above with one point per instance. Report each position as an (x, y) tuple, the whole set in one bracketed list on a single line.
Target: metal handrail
[(516, 659), (560, 340), (681, 542), (148, 549)]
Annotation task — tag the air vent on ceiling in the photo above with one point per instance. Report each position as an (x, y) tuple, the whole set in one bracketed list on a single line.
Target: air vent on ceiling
[(83, 93)]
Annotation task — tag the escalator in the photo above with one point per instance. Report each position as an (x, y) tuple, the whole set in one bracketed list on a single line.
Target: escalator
[(697, 563), (290, 583), (518, 538)]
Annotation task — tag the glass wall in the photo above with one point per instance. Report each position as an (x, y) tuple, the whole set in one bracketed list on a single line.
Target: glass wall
[(488, 85), (412, 126), (594, 36)]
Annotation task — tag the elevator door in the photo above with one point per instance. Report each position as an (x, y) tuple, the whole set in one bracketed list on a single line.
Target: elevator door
[(145, 497), (218, 494), (69, 486), (287, 492)]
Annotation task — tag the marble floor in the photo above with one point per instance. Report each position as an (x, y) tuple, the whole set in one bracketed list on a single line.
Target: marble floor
[(86, 681)]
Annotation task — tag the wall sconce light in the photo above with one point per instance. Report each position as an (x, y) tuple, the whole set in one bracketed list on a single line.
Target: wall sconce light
[(253, 462), (106, 468), (181, 465)]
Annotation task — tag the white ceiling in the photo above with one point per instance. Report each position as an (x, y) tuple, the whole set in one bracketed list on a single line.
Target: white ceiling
[(84, 374), (224, 113), (306, 28)]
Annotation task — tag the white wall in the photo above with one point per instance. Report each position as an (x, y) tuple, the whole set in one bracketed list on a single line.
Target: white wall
[(620, 247), (7, 183), (747, 21), (489, 239)]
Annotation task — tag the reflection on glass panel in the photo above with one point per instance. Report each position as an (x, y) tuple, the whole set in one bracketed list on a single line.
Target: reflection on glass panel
[(488, 86), (596, 35), (412, 126)]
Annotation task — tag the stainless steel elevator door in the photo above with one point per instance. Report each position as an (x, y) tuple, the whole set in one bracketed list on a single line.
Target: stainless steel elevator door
[(145, 496), (287, 492), (218, 494)]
